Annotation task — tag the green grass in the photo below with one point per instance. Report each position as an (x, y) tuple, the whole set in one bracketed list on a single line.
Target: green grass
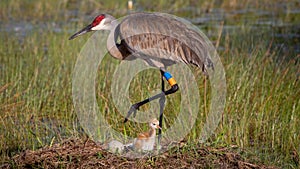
[(262, 110), (62, 10)]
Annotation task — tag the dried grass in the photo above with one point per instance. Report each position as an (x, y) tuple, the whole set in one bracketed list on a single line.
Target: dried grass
[(80, 153)]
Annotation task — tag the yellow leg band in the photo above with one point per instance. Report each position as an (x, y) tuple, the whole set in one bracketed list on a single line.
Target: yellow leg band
[(172, 81)]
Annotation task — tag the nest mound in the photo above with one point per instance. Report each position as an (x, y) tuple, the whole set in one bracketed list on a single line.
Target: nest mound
[(80, 153)]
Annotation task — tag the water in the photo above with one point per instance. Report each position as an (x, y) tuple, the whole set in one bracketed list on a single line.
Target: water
[(282, 24)]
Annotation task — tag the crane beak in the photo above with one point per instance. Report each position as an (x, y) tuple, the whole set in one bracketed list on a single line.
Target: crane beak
[(82, 31)]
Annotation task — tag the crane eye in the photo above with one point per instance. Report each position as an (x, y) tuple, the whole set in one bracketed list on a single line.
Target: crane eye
[(154, 124)]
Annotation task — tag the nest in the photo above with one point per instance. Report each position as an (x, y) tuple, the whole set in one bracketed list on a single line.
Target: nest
[(85, 153)]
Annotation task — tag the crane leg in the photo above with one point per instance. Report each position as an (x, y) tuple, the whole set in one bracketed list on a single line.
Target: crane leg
[(174, 88), (162, 101)]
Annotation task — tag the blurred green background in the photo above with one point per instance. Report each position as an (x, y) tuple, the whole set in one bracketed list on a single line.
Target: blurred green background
[(259, 47)]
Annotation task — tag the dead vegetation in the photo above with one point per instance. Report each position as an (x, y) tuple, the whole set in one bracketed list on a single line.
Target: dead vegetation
[(79, 153)]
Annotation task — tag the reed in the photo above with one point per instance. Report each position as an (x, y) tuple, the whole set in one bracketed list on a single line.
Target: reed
[(261, 116)]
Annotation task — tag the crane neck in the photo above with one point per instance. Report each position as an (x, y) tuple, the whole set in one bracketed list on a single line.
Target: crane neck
[(152, 132), (112, 41)]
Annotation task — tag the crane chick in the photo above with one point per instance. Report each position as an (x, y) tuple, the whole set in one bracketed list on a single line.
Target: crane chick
[(145, 141)]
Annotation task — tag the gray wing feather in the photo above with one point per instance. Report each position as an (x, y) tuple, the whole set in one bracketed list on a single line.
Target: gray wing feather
[(165, 38)]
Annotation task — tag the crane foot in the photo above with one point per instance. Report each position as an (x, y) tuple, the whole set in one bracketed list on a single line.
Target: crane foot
[(133, 110)]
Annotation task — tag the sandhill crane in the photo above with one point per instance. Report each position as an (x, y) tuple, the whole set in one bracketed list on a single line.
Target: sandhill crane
[(175, 40), (144, 141)]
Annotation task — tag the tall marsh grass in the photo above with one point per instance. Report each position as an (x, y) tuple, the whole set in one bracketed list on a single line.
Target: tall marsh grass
[(261, 116)]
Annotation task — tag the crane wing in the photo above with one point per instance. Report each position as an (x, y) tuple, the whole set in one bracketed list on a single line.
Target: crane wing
[(166, 39)]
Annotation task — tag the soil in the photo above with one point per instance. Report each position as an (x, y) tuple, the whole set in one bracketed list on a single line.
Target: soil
[(85, 153)]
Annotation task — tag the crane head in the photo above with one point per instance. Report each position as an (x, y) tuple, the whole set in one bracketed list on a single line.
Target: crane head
[(154, 123), (101, 22)]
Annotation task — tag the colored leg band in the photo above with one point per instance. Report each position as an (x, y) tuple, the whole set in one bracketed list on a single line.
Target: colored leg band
[(172, 81), (169, 78)]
